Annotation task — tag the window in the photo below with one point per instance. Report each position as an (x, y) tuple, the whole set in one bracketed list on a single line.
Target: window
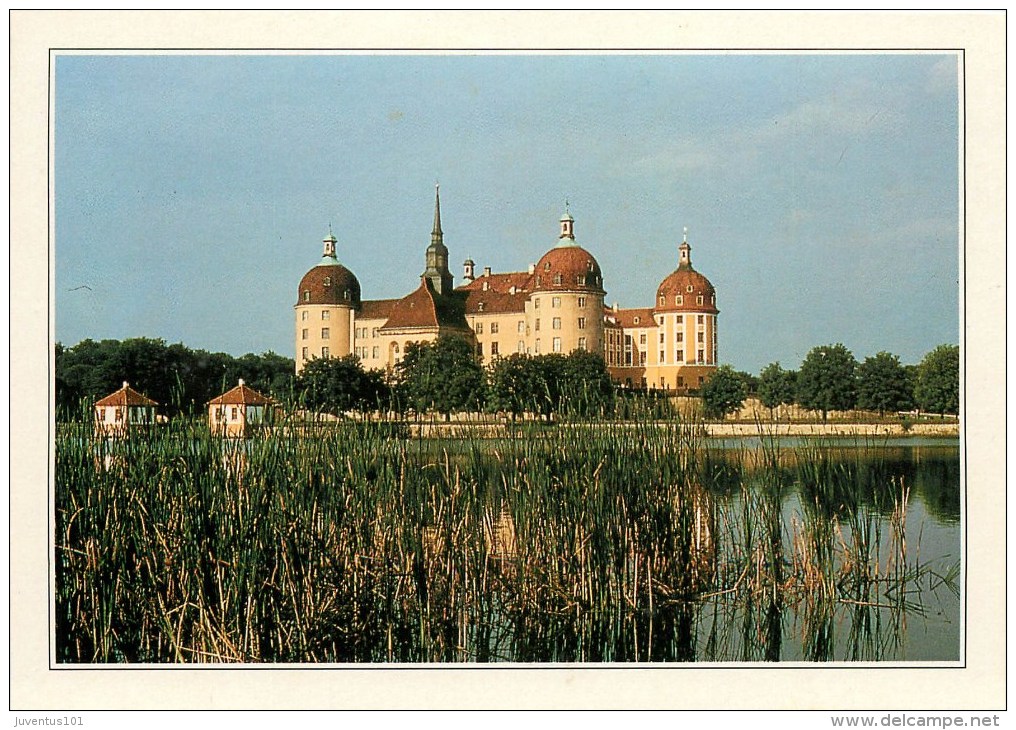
[(661, 338), (636, 320), (536, 346), (680, 319), (373, 332), (304, 334), (493, 348), (701, 319), (306, 295), (304, 353), (325, 352), (582, 301), (345, 294), (627, 349), (663, 300), (325, 314), (589, 265), (713, 299), (546, 266), (582, 323), (690, 289), (679, 300), (642, 358), (679, 356), (536, 302), (701, 336), (522, 347), (479, 307), (375, 352), (580, 280), (701, 356), (537, 281), (494, 328), (537, 327), (680, 381), (328, 281), (557, 280), (680, 336), (662, 356), (325, 333), (698, 300), (642, 338), (479, 328), (556, 323), (479, 349), (303, 315), (557, 344), (232, 413), (522, 326), (556, 302), (582, 345), (119, 415)]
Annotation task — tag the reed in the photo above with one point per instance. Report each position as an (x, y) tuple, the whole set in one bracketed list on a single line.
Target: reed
[(354, 542)]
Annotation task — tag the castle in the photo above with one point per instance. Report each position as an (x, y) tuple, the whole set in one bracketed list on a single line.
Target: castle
[(556, 306)]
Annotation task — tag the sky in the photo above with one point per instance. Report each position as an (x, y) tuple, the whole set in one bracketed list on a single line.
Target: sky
[(820, 191)]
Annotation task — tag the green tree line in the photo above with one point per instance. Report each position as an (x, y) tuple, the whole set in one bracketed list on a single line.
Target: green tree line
[(831, 379)]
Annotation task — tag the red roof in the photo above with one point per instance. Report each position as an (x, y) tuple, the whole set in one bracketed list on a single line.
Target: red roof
[(688, 284), (126, 396), (376, 308), (240, 395), (626, 317), (425, 309), (501, 283), (495, 302), (568, 268), (332, 284)]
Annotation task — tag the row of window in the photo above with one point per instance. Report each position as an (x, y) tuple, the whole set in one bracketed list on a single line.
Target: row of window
[(326, 333), (361, 332), (580, 280), (679, 299), (305, 315), (556, 302), (328, 282), (305, 353)]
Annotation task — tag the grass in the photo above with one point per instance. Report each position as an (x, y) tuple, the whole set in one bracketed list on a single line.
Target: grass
[(358, 543)]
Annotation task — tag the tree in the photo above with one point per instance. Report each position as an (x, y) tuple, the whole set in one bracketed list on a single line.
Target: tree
[(883, 385), (826, 381), (444, 375), (938, 380), (339, 384), (776, 386), (509, 385), (586, 388), (723, 393)]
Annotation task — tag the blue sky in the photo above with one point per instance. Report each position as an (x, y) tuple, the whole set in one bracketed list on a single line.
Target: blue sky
[(820, 192)]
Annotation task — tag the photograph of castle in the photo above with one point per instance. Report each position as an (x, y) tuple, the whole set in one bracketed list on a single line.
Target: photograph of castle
[(405, 359)]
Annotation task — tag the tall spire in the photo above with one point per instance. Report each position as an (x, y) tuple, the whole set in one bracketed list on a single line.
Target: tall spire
[(437, 235), (437, 254)]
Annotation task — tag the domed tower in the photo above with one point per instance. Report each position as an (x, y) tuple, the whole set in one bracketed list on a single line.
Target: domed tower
[(685, 312), (565, 307), (327, 300)]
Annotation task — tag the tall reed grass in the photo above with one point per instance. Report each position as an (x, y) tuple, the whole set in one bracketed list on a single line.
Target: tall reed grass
[(356, 543)]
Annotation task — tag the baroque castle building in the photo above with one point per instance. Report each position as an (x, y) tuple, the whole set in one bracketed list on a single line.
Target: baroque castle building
[(555, 306)]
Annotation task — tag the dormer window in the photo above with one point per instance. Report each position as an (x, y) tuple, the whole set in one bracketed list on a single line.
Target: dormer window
[(546, 266), (345, 295), (636, 320), (663, 300), (699, 300), (589, 264), (690, 288), (306, 295), (580, 280), (486, 285), (328, 281), (557, 280), (537, 281), (679, 300), (480, 306)]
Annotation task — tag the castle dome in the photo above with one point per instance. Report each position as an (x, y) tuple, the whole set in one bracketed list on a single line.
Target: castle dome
[(567, 266), (686, 290), (329, 282)]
